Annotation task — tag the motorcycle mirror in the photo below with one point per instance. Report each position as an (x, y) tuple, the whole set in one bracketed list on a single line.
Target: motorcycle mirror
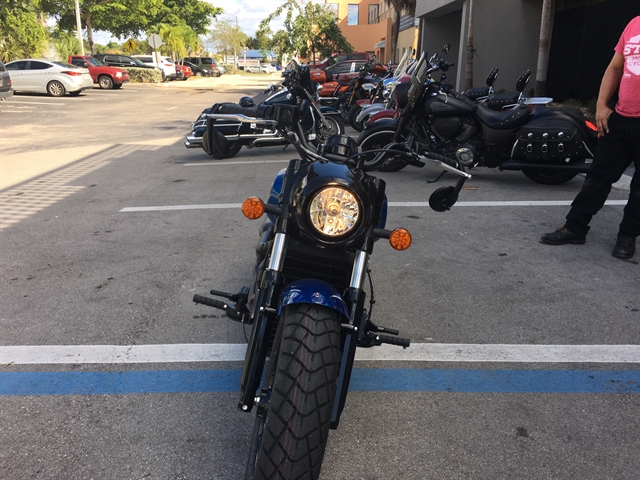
[(443, 198)]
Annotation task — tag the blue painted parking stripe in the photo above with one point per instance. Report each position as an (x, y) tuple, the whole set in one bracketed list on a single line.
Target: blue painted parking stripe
[(382, 380)]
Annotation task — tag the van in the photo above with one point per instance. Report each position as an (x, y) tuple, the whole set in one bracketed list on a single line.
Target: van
[(207, 62), (166, 65)]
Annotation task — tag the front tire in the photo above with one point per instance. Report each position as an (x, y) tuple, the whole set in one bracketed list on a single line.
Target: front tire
[(234, 148), (294, 435), (354, 111), (56, 89), (332, 125), (549, 177), (375, 141), (105, 82)]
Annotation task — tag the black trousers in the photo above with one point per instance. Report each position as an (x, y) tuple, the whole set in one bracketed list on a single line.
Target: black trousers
[(615, 152)]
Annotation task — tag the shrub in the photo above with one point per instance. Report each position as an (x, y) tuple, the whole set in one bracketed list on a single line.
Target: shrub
[(144, 75)]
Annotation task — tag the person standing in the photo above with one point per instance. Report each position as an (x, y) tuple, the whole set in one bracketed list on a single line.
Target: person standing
[(618, 147)]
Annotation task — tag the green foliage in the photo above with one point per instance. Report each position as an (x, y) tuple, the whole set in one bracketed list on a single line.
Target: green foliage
[(66, 43), (144, 75), (226, 37), (309, 30), (21, 35)]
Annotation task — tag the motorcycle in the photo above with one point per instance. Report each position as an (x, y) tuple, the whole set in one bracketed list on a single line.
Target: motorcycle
[(307, 310), (223, 129), (549, 145)]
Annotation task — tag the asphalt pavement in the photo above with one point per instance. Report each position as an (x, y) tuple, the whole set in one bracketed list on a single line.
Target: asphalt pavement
[(525, 358)]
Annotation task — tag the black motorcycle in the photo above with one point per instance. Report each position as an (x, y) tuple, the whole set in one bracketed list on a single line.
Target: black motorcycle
[(307, 309), (549, 145), (223, 129)]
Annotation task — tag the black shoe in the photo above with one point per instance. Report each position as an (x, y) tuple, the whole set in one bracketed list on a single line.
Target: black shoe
[(562, 236), (625, 248)]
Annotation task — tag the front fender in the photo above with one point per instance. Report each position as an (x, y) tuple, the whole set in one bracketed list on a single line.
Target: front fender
[(314, 291), (328, 110)]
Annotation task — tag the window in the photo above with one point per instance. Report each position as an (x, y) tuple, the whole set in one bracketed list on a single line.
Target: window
[(373, 14), (352, 14), (33, 65), (19, 65)]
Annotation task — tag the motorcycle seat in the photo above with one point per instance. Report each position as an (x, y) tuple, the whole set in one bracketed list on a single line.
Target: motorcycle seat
[(503, 119), (259, 111), (477, 92), (502, 100)]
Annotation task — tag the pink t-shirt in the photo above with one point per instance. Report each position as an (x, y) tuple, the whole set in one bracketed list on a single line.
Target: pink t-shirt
[(629, 94)]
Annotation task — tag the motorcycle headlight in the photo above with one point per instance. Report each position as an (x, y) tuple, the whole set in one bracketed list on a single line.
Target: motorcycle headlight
[(334, 211)]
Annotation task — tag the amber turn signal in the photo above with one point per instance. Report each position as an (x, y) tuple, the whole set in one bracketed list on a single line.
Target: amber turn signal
[(400, 239), (253, 208)]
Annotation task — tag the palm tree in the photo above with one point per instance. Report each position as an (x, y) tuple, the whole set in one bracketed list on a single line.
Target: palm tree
[(407, 6), (543, 49)]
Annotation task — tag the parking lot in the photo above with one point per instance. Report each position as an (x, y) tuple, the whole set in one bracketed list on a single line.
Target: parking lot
[(525, 358)]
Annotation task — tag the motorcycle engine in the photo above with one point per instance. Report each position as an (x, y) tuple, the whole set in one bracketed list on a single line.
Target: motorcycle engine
[(459, 128)]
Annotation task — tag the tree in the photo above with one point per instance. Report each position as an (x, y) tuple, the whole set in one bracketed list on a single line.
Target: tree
[(468, 79), (311, 28), (124, 18), (22, 34), (226, 37), (407, 6)]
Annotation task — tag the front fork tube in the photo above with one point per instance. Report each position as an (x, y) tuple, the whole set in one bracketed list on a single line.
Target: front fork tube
[(264, 315), (355, 297)]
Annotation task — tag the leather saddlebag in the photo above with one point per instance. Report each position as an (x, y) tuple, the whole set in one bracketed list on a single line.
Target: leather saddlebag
[(549, 139)]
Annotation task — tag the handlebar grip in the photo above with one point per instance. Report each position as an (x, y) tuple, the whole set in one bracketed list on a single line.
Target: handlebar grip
[(443, 159), (210, 302), (401, 342)]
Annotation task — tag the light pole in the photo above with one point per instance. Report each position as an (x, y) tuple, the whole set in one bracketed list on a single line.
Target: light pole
[(235, 43)]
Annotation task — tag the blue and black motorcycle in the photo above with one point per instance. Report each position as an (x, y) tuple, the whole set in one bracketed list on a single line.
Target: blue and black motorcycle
[(307, 310), (224, 128)]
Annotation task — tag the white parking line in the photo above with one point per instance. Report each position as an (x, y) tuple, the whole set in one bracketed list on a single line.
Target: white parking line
[(553, 203), (220, 352)]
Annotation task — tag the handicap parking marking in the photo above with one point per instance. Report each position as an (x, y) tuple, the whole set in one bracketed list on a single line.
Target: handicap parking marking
[(362, 379)]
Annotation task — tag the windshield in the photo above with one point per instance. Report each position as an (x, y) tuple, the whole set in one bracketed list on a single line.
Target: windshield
[(138, 62), (66, 65), (93, 61)]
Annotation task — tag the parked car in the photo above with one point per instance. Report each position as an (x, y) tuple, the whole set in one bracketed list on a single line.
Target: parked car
[(262, 68), (116, 60), (44, 76), (347, 69), (209, 63), (169, 71), (185, 69), (5, 83), (202, 70), (106, 77)]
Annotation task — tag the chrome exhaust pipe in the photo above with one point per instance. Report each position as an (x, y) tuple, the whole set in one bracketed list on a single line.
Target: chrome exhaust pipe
[(192, 142)]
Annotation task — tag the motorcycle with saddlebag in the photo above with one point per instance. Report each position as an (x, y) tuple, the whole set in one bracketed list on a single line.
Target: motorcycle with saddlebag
[(223, 129), (307, 310)]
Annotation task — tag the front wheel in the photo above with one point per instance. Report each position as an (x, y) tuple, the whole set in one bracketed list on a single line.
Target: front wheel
[(354, 111), (331, 125), (375, 141), (234, 148), (549, 177), (291, 441), (105, 82)]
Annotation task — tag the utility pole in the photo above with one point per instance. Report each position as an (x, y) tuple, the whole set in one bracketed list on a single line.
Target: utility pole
[(79, 28)]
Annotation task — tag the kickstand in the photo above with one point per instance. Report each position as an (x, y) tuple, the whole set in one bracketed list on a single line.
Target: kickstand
[(438, 178)]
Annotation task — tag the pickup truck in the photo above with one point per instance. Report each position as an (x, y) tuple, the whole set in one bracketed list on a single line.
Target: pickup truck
[(105, 76)]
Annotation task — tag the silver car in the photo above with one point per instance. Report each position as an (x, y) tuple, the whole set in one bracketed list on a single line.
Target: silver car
[(46, 76), (5, 83)]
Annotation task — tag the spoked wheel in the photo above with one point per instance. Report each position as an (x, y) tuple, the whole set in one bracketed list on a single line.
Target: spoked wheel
[(375, 141), (292, 440), (332, 125), (549, 177), (105, 82)]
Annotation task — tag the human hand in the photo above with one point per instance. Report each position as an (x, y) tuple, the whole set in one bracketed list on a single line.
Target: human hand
[(602, 119)]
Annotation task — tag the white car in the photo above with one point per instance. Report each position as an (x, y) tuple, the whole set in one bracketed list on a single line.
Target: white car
[(46, 76), (262, 68), (166, 65)]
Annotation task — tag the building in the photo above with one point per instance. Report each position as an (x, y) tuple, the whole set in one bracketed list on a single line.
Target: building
[(368, 24), (506, 34)]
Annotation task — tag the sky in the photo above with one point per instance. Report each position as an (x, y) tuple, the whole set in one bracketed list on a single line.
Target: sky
[(248, 12)]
